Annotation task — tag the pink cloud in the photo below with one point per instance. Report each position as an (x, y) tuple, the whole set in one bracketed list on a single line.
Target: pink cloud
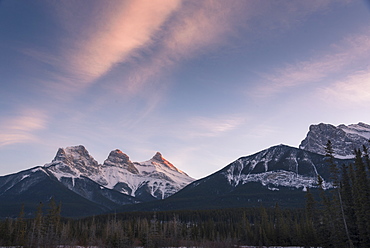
[(128, 28), (105, 34), (22, 127), (355, 88), (97, 39), (198, 27), (210, 127), (344, 56), (195, 28), (202, 25)]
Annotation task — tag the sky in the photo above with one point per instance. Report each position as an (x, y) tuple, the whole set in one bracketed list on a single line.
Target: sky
[(202, 82)]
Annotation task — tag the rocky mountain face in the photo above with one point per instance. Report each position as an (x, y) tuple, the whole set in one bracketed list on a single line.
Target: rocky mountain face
[(80, 182), (343, 138)]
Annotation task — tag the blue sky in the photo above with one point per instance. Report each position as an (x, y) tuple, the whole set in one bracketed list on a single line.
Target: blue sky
[(203, 82)]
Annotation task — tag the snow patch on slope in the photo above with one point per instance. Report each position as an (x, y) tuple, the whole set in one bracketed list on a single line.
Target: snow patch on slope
[(278, 178), (277, 166)]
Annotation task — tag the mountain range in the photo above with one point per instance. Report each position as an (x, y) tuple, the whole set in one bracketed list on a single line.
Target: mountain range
[(280, 174), (86, 187), (154, 179)]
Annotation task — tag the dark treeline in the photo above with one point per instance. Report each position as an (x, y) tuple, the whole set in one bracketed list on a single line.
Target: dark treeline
[(336, 218), (341, 218), (206, 228)]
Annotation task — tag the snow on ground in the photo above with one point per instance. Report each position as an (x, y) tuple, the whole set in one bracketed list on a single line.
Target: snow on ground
[(72, 246)]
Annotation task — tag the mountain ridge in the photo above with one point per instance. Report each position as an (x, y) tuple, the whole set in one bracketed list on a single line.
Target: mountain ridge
[(101, 187), (156, 178)]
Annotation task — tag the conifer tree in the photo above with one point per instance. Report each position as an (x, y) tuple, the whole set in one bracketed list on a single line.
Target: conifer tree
[(7, 232), (366, 158), (310, 216), (246, 232), (263, 232), (310, 206), (337, 209), (361, 199), (348, 203), (38, 226), (326, 220), (153, 236), (334, 171), (20, 229), (52, 223)]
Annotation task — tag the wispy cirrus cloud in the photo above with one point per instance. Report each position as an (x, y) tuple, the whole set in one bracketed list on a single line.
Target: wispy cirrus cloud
[(21, 128), (152, 38), (355, 88), (128, 28), (198, 27), (344, 57), (201, 26), (194, 29), (283, 15), (98, 38), (211, 127)]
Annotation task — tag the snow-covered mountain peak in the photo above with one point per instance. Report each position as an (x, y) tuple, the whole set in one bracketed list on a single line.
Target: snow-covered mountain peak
[(159, 160), (73, 161), (158, 156), (119, 159), (75, 154)]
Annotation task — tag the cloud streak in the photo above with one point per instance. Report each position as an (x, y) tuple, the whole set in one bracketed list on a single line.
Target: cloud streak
[(198, 27), (21, 128), (355, 88), (202, 25), (105, 34), (152, 39), (212, 127), (127, 29), (98, 39), (195, 28), (351, 52)]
